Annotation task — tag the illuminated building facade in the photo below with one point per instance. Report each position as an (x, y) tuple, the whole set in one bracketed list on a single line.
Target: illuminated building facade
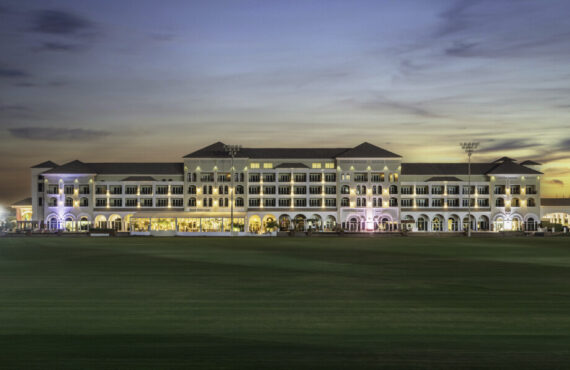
[(364, 188)]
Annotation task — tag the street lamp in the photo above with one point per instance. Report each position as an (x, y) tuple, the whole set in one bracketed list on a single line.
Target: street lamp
[(232, 151), (469, 148)]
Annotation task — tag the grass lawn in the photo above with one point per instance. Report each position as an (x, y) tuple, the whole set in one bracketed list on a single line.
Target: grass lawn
[(284, 303)]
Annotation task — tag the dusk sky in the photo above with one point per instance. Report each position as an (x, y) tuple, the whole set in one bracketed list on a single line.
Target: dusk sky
[(102, 80)]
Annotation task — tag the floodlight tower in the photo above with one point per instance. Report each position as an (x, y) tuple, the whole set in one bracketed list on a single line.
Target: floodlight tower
[(469, 148), (232, 151)]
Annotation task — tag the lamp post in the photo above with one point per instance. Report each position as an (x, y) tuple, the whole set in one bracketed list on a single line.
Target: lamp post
[(232, 150), (469, 148)]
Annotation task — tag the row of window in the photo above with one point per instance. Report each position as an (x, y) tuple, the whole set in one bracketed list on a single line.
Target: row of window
[(481, 202)]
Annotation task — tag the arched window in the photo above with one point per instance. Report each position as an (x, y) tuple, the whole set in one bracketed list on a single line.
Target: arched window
[(344, 202), (192, 202), (192, 189), (436, 224), (500, 202), (52, 202), (239, 202), (358, 202), (422, 224), (221, 189), (531, 202), (374, 189), (530, 224), (363, 189), (345, 189), (393, 189), (358, 190), (373, 202), (516, 202), (69, 202), (363, 202)]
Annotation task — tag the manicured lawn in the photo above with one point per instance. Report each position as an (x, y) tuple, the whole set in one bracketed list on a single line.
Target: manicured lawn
[(284, 303)]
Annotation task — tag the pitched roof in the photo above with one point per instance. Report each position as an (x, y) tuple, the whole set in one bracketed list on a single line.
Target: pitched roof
[(71, 167), (555, 201), (445, 168), (443, 178), (23, 203), (530, 163), (139, 178), (504, 159), (367, 150), (119, 168), (46, 164), (292, 165), (500, 168), (511, 168), (364, 150)]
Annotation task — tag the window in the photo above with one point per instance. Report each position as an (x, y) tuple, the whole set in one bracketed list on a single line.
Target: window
[(146, 202), (469, 190), (283, 177), (207, 189), (84, 202), (499, 189), (269, 202), (516, 202), (437, 202), (482, 189), (531, 202), (316, 165), (254, 177), (178, 189), (500, 202), (40, 202), (268, 165), (269, 190), (192, 202), (147, 189), (454, 202), (269, 177), (422, 190), (300, 190), (405, 189), (330, 177), (131, 189), (239, 202), (162, 189), (207, 177), (284, 202), (254, 165), (515, 189), (345, 189), (101, 189), (423, 202), (437, 189), (530, 189), (466, 202), (315, 202), (116, 202), (116, 189), (53, 189), (483, 202), (315, 190), (344, 202), (330, 190), (393, 189), (52, 202), (192, 189), (329, 165), (406, 203), (330, 202), (131, 202), (68, 189), (453, 190), (300, 202), (177, 202), (162, 202), (68, 202), (254, 189), (284, 190), (315, 177), (361, 177), (377, 177), (254, 202), (393, 202), (300, 177), (100, 202), (40, 187)]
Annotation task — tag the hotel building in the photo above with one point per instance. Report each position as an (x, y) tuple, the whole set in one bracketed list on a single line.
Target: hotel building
[(364, 188)]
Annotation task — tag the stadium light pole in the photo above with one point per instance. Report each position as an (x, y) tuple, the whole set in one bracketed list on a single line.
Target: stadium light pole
[(232, 151), (469, 148)]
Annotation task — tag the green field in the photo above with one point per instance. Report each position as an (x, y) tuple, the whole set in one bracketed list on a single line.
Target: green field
[(284, 303)]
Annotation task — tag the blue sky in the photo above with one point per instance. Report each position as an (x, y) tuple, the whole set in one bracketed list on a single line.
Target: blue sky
[(153, 80)]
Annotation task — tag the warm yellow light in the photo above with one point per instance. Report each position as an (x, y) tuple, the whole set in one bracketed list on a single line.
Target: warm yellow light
[(199, 203), (368, 168), (369, 191), (352, 204), (215, 191), (215, 203), (352, 191), (385, 204), (386, 191)]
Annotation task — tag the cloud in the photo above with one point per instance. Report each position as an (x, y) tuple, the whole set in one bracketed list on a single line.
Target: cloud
[(460, 48), (380, 103), (506, 145), (564, 145), (57, 134), (555, 182), (58, 22), (13, 73), (59, 46)]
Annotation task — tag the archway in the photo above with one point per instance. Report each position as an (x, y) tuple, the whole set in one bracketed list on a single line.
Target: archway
[(284, 222), (315, 222), (330, 223), (300, 221), (437, 223), (408, 222), (499, 224), (516, 223), (84, 223), (269, 223), (254, 224), (483, 223), (422, 223), (467, 224), (453, 223), (530, 224), (52, 223), (69, 224), (116, 222), (353, 224), (101, 222)]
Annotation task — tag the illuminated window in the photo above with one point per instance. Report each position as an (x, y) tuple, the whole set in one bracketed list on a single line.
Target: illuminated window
[(266, 165), (329, 165), (254, 165), (316, 165)]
